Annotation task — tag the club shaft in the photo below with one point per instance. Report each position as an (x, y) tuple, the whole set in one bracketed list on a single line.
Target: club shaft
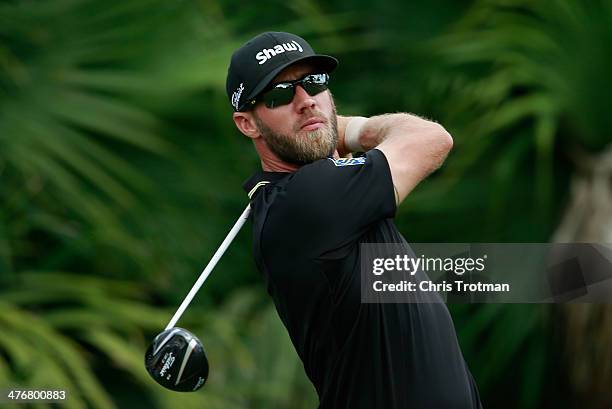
[(211, 264)]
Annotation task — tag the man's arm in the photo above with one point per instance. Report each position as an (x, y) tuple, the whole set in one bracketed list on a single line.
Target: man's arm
[(413, 146)]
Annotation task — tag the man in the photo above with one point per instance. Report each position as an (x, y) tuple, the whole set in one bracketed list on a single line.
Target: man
[(311, 210)]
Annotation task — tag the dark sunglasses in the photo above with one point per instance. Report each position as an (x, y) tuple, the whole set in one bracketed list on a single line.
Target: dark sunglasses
[(283, 92)]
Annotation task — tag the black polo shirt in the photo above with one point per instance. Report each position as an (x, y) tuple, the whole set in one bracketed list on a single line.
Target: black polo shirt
[(307, 227)]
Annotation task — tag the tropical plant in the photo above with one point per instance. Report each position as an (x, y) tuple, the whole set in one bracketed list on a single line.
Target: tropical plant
[(80, 334), (120, 169), (522, 86), (525, 84), (102, 180), (587, 328)]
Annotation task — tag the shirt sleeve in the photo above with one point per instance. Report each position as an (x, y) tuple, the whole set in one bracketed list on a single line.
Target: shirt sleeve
[(341, 199)]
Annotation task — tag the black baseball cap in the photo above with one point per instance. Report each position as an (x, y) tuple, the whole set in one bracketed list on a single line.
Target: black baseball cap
[(259, 60)]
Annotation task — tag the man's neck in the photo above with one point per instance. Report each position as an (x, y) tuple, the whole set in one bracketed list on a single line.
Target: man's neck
[(278, 166), (270, 163)]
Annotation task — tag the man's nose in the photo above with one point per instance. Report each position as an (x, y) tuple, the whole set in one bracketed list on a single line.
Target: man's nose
[(302, 100)]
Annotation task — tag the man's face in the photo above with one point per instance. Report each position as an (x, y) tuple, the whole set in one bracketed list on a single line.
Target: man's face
[(304, 130)]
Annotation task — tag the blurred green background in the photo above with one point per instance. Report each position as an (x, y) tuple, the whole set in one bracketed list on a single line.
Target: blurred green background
[(121, 172)]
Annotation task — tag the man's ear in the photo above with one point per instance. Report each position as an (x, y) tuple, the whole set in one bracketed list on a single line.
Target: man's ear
[(245, 122)]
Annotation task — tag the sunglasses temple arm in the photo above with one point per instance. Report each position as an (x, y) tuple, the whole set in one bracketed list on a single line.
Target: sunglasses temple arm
[(211, 264)]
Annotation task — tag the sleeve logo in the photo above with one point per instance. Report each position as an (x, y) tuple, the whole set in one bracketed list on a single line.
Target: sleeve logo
[(349, 161)]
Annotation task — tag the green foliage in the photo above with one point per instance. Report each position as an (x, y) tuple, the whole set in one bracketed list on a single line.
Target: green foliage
[(492, 336), (120, 173), (523, 86), (101, 175), (43, 317), (512, 87), (59, 327)]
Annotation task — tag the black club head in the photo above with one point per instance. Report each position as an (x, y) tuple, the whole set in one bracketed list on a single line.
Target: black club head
[(176, 360)]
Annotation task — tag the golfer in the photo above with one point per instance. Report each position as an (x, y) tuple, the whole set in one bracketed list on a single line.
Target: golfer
[(312, 206)]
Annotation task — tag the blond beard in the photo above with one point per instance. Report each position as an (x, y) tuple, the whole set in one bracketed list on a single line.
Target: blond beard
[(300, 150)]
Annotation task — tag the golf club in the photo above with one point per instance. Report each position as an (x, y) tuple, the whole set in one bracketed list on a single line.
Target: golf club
[(176, 359)]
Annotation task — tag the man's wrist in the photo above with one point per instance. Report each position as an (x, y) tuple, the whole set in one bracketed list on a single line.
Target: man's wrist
[(352, 132)]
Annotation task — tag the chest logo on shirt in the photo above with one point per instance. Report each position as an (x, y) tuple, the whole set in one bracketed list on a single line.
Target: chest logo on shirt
[(349, 161)]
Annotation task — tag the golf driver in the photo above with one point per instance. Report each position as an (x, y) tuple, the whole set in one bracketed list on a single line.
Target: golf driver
[(176, 359)]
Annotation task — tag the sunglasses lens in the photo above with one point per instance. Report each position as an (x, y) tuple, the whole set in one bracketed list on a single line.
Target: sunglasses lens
[(282, 94), (315, 83)]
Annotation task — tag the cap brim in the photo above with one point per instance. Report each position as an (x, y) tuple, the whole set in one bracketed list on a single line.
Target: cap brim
[(326, 62)]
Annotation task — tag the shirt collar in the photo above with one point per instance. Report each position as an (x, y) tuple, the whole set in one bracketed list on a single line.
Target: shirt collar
[(263, 176)]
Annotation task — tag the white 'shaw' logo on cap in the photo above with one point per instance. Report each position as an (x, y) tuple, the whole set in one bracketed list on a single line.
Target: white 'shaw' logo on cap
[(236, 95), (267, 53)]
